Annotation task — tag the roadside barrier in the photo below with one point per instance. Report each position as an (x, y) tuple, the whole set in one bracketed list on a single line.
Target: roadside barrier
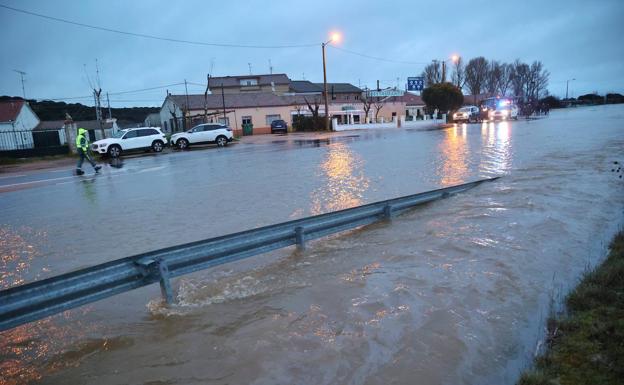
[(36, 300)]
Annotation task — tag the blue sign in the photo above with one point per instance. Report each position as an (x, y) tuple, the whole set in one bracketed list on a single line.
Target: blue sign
[(415, 84)]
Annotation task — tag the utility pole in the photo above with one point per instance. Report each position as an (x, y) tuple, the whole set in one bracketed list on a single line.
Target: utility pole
[(223, 100), (249, 64), (22, 73), (270, 67), (110, 114), (443, 71), (567, 83), (186, 108), (206, 98), (327, 127)]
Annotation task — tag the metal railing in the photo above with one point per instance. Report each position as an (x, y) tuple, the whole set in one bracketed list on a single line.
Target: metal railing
[(36, 300)]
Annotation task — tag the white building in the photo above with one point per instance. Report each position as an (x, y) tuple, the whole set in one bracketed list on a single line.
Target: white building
[(17, 120)]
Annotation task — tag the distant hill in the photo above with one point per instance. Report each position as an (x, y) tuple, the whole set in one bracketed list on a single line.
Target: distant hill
[(50, 110)]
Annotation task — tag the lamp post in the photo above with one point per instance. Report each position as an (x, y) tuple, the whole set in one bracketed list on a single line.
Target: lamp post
[(334, 38), (454, 59), (567, 83)]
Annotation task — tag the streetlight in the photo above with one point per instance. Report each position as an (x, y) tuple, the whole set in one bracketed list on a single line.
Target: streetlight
[(567, 83), (335, 38), (454, 59)]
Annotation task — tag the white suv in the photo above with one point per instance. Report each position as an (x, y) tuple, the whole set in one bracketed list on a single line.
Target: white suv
[(203, 133), (141, 138)]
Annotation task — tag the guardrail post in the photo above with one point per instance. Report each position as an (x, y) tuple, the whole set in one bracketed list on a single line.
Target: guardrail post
[(165, 282), (387, 212), (300, 237), (157, 267)]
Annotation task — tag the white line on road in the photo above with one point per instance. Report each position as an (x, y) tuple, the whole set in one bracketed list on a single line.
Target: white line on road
[(35, 181), (12, 176)]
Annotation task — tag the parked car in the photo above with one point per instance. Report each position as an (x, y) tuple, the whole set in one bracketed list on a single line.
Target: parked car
[(498, 109), (279, 125), (132, 139), (466, 114), (204, 133)]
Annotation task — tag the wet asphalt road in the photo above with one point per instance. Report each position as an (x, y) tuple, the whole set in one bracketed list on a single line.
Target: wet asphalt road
[(454, 292)]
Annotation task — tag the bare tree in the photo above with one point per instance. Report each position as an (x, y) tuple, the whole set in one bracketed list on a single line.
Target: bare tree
[(432, 74), (538, 80), (366, 104), (520, 78), (459, 73), (505, 78), (379, 104), (493, 77), (314, 109), (476, 75), (175, 119)]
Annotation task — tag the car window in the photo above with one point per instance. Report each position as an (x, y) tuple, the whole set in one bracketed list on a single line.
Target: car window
[(131, 134), (151, 131), (200, 128)]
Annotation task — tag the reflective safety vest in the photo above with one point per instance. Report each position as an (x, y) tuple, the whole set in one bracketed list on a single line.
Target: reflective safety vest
[(81, 140)]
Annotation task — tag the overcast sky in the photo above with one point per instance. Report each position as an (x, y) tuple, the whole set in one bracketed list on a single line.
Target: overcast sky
[(574, 39)]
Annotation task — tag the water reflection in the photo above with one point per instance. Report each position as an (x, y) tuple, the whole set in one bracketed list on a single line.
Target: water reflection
[(455, 152), (343, 171), (496, 144), (25, 350)]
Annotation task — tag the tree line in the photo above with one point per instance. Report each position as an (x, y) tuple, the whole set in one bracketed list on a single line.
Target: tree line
[(52, 110), (479, 75)]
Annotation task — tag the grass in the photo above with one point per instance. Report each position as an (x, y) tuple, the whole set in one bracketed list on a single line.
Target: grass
[(586, 345)]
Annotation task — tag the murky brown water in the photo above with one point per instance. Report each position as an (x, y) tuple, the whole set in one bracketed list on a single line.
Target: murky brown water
[(454, 292)]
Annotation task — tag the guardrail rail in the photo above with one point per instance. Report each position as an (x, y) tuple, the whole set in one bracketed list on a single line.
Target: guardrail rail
[(36, 300)]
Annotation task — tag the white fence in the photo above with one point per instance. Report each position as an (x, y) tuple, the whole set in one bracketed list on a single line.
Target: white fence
[(414, 124)]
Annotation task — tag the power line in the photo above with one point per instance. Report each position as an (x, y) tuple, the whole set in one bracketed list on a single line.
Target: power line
[(174, 40), (376, 57)]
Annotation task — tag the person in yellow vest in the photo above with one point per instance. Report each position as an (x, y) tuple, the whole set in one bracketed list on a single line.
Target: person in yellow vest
[(82, 146)]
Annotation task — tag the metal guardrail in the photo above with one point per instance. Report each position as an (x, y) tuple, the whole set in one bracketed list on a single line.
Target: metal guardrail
[(36, 300)]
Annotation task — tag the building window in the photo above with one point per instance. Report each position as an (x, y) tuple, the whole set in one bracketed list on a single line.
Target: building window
[(271, 118), (248, 82), (246, 119)]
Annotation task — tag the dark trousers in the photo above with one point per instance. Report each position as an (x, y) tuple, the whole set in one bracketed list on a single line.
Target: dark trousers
[(82, 155)]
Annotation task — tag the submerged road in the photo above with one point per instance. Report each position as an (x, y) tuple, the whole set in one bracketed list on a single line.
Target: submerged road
[(454, 292)]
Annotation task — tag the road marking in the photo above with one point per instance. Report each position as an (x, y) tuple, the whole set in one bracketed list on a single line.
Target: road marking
[(35, 181)]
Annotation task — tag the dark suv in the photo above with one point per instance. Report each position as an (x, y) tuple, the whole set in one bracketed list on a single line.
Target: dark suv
[(279, 126)]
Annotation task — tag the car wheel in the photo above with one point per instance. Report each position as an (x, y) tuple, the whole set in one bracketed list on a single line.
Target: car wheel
[(182, 143), (221, 141), (114, 151), (157, 146)]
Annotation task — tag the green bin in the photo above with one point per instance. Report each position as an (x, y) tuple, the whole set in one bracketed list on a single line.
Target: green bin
[(247, 129)]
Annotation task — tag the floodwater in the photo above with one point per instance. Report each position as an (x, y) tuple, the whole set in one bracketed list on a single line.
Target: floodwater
[(453, 292)]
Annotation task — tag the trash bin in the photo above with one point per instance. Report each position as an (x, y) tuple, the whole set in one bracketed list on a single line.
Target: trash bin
[(247, 129)]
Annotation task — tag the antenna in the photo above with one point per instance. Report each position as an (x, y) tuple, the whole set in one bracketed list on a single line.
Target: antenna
[(249, 64), (97, 74), (22, 73), (212, 64), (270, 67), (303, 75)]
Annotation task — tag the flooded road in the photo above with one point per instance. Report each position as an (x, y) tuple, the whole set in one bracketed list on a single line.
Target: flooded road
[(453, 292)]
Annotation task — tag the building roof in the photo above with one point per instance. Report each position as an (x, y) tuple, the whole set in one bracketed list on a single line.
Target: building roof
[(50, 125), (412, 100), (92, 124), (9, 110), (246, 100), (340, 88), (305, 86), (234, 81)]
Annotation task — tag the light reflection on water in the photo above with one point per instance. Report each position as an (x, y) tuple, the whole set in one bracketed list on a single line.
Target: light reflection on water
[(454, 152), (496, 148), (24, 350), (345, 182)]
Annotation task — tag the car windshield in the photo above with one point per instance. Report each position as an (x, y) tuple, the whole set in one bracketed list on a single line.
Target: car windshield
[(464, 109), (119, 134)]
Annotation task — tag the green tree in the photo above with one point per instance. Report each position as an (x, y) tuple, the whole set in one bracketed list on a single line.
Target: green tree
[(443, 96)]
